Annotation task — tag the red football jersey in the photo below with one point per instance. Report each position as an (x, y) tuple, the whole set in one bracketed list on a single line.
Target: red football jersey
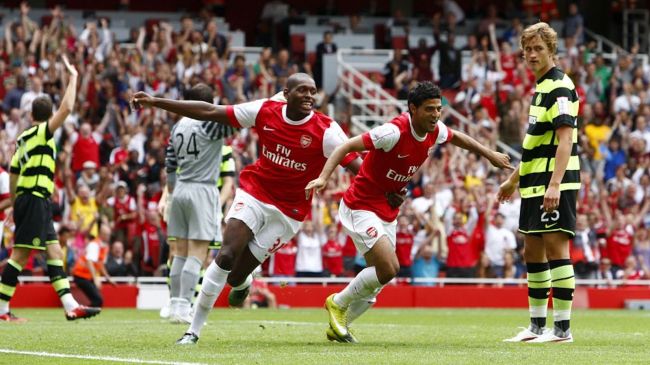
[(292, 153), (461, 251), (403, 248), (396, 153), (283, 261), (619, 246), (333, 257)]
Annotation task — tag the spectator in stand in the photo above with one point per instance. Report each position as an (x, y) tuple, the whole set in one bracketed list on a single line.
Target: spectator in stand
[(117, 263), (68, 254), (283, 261), (421, 58), (84, 210), (461, 256), (620, 236), (310, 239), (450, 63), (237, 81), (404, 246), (15, 125), (124, 214), (85, 147), (573, 25), (332, 253), (584, 250), (89, 177), (327, 46), (153, 239), (28, 97), (398, 67), (428, 247), (633, 271), (499, 243), (14, 94)]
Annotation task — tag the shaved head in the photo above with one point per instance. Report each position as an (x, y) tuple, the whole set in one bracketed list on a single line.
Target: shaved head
[(297, 79)]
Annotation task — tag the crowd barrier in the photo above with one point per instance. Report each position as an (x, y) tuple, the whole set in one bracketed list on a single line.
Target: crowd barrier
[(151, 293)]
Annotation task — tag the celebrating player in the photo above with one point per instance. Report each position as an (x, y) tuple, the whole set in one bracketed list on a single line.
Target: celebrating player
[(269, 207), (548, 179), (31, 185), (397, 150)]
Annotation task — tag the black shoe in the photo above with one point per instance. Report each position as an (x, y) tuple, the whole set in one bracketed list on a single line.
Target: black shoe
[(236, 298)]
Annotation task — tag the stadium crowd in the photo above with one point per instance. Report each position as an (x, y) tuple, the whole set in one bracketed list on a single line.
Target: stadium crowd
[(110, 165)]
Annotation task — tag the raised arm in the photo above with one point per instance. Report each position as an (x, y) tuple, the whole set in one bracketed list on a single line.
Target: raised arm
[(67, 104), (352, 145), (199, 110), (497, 159)]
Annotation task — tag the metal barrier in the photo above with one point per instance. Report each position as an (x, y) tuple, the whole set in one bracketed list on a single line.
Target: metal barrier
[(375, 105)]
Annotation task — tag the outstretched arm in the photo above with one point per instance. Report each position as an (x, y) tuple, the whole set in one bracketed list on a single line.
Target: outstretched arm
[(351, 145), (199, 110), (67, 104), (464, 141)]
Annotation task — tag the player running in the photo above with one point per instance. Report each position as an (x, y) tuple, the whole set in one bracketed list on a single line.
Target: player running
[(397, 150), (295, 141)]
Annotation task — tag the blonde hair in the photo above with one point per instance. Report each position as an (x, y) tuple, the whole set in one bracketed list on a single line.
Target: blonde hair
[(544, 31)]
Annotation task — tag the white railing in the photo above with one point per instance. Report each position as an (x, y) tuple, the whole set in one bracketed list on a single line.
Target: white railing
[(601, 283), (374, 104)]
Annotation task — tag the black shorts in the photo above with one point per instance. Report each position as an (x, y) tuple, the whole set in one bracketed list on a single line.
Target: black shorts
[(533, 220), (34, 225)]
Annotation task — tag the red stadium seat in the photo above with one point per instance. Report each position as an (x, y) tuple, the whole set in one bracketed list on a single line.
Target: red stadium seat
[(298, 46), (399, 42)]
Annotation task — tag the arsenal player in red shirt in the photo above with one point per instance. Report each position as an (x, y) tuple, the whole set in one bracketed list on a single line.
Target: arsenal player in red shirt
[(396, 152)]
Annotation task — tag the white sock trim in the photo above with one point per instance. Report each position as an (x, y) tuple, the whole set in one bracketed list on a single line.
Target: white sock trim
[(538, 312), (561, 315)]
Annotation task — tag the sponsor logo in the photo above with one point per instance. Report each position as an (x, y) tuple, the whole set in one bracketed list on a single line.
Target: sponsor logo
[(532, 120), (395, 176), (305, 141), (549, 225), (268, 129), (402, 156), (372, 232), (281, 157), (238, 206)]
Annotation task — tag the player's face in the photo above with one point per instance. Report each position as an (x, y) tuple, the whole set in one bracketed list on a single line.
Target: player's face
[(300, 99), (538, 57), (427, 115)]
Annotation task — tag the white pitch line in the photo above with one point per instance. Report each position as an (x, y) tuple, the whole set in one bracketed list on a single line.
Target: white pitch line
[(100, 358)]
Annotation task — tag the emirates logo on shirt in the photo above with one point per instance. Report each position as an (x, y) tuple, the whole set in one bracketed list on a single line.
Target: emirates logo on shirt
[(372, 232), (305, 141), (238, 206)]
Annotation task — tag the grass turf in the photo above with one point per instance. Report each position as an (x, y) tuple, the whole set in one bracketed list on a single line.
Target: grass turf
[(297, 336)]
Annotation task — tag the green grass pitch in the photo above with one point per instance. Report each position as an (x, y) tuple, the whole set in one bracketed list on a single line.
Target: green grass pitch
[(297, 336)]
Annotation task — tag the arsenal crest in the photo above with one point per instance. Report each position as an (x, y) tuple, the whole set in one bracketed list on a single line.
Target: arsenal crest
[(305, 141), (372, 232), (238, 206)]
